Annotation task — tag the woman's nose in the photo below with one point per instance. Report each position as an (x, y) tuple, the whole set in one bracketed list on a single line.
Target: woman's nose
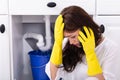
[(73, 41)]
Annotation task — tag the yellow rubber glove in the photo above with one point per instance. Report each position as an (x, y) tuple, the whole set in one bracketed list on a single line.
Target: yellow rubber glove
[(88, 44), (56, 56)]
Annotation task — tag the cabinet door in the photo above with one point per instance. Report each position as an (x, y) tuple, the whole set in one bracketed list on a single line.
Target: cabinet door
[(110, 7), (39, 7), (112, 31), (4, 49), (112, 26), (3, 6)]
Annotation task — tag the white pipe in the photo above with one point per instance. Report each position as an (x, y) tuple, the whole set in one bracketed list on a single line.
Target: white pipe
[(27, 48), (48, 34), (36, 36)]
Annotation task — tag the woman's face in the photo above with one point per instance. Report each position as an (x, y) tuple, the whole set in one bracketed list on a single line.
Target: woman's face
[(73, 37)]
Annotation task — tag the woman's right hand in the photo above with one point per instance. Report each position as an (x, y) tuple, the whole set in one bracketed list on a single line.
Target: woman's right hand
[(58, 31), (56, 56)]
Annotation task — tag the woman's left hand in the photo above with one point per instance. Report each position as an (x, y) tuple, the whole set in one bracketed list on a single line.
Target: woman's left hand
[(88, 43)]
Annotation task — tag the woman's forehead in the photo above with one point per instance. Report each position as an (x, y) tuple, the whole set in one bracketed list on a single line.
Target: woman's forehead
[(67, 34)]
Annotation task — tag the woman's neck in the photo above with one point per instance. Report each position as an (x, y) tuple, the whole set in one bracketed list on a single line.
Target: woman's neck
[(100, 40)]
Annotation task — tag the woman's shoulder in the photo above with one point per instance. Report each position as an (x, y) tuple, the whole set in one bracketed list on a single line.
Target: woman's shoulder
[(107, 44), (107, 47)]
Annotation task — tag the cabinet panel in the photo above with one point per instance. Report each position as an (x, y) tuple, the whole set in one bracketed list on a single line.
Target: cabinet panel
[(112, 26), (39, 7), (110, 7), (3, 6), (4, 50), (112, 31)]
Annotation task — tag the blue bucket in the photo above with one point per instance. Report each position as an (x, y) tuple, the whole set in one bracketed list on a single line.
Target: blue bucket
[(38, 60)]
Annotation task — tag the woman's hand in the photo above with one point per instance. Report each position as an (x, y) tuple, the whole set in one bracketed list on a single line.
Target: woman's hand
[(56, 56), (58, 31), (88, 43)]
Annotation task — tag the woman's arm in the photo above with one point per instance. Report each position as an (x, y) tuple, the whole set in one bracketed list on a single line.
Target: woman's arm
[(96, 77), (100, 77), (53, 71), (88, 43)]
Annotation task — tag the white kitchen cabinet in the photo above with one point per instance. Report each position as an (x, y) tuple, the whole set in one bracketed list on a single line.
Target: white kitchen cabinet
[(20, 69), (4, 48), (39, 7), (27, 16), (108, 7), (112, 26), (3, 6)]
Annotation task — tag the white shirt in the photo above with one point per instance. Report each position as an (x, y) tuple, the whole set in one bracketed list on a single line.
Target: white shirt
[(108, 55)]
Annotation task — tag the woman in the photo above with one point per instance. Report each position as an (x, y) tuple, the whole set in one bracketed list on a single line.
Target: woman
[(87, 54)]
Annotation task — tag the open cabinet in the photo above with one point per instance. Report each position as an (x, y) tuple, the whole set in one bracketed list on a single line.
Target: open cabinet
[(27, 16), (20, 25)]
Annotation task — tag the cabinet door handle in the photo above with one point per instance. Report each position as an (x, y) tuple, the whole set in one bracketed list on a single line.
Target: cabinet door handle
[(51, 4), (102, 28), (2, 28)]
